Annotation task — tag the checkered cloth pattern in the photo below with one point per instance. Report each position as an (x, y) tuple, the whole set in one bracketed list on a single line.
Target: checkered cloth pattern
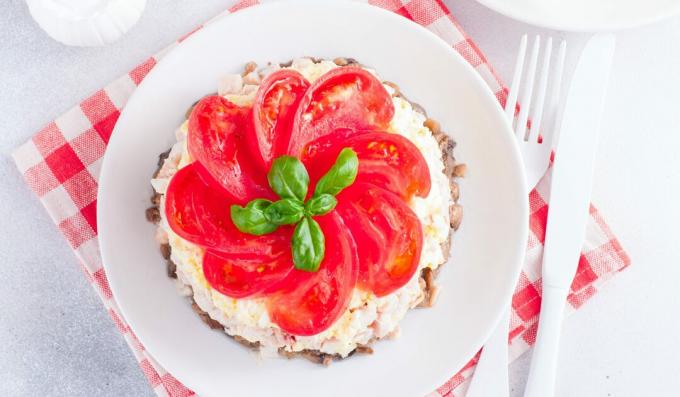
[(61, 164)]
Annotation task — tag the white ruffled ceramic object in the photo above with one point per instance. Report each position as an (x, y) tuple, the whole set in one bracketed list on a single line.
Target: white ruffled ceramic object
[(86, 22)]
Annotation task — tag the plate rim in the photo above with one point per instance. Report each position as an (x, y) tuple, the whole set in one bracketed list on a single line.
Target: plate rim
[(487, 94)]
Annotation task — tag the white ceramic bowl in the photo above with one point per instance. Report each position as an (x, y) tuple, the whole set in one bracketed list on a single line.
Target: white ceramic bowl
[(586, 15), (476, 284)]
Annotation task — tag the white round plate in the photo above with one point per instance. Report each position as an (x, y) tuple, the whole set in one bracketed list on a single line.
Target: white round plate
[(586, 15), (487, 253)]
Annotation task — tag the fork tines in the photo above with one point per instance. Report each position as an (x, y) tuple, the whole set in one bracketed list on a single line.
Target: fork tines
[(528, 125)]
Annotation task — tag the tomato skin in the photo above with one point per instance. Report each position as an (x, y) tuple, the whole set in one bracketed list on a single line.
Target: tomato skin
[(307, 303), (386, 160), (242, 275), (272, 115), (388, 235), (345, 97), (197, 209), (215, 139)]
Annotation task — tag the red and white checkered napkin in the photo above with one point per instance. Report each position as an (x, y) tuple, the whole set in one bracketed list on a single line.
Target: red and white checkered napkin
[(61, 165)]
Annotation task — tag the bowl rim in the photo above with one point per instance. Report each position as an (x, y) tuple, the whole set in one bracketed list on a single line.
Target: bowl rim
[(537, 19)]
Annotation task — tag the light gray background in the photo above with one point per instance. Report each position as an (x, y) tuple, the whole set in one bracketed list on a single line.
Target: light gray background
[(55, 339)]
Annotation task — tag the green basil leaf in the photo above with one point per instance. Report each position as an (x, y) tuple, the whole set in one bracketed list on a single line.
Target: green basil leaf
[(321, 205), (309, 245), (342, 174), (285, 212), (288, 178), (259, 204), (251, 219)]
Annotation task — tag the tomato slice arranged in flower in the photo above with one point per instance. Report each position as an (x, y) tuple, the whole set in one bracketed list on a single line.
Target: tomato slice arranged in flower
[(275, 104), (307, 303), (241, 275), (216, 132), (345, 97), (388, 236), (197, 209), (387, 160), (373, 240)]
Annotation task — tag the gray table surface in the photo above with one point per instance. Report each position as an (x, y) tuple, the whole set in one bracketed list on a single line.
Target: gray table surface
[(55, 339)]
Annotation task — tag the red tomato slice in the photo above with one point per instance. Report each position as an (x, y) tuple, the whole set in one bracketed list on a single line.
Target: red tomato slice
[(275, 104), (386, 160), (307, 303), (388, 236), (198, 210), (346, 97), (241, 275), (216, 132)]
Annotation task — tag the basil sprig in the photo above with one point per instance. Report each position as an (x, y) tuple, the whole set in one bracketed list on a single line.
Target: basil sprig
[(289, 179)]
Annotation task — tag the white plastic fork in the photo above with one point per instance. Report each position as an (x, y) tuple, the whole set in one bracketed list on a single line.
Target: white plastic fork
[(491, 374)]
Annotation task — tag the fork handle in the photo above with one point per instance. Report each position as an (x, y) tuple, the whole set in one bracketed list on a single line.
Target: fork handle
[(491, 374), (541, 381)]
